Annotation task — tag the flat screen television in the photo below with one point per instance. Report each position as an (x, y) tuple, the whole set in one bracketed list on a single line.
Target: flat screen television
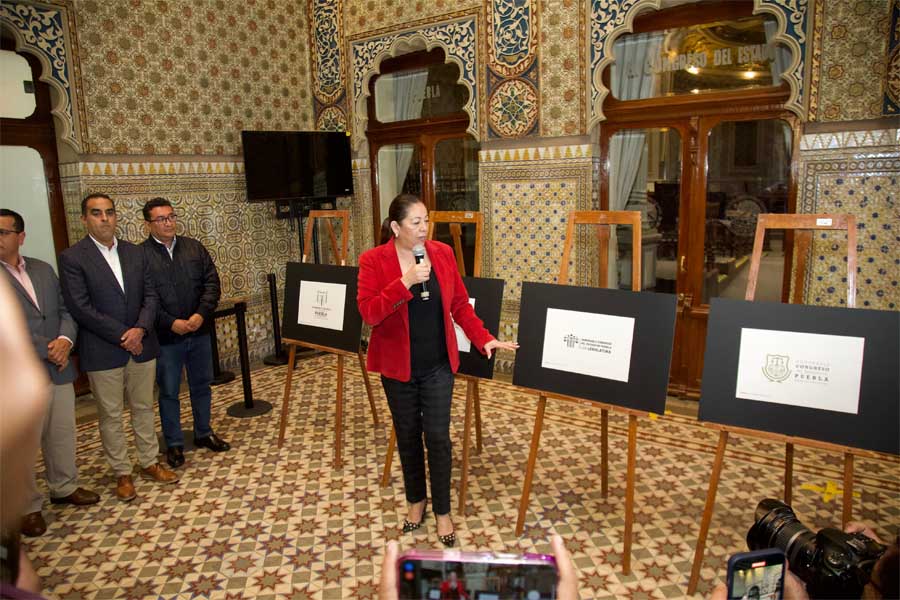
[(290, 165)]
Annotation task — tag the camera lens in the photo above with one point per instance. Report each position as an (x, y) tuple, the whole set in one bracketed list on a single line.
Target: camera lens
[(777, 526)]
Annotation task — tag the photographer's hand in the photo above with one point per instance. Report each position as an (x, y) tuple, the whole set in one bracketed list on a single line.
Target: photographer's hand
[(858, 527), (567, 589), (387, 586)]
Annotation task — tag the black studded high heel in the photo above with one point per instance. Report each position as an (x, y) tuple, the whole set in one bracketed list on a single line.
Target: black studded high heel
[(448, 540), (409, 526)]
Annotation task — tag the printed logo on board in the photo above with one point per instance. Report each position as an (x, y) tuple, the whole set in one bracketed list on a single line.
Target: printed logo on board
[(777, 367), (321, 309), (573, 342)]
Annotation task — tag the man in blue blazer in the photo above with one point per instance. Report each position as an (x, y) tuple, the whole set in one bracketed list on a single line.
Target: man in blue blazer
[(107, 287), (53, 333)]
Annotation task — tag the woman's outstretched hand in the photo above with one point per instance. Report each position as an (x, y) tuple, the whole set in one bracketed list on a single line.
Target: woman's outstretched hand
[(497, 344)]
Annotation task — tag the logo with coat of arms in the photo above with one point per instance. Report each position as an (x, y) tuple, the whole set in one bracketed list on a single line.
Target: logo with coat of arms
[(777, 367)]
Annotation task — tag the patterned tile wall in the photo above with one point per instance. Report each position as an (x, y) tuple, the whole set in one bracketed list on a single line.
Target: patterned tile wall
[(328, 64), (562, 68), (891, 104), (854, 173), (367, 16), (186, 76), (851, 62), (245, 240), (513, 68), (526, 195)]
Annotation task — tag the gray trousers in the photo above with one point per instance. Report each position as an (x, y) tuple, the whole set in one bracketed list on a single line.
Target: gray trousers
[(110, 388), (57, 446)]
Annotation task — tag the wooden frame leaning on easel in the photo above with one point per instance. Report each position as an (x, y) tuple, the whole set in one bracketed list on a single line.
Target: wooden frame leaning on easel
[(341, 256)]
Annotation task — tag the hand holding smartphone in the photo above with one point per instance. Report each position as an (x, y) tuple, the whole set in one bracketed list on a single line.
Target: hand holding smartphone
[(454, 575), (757, 575)]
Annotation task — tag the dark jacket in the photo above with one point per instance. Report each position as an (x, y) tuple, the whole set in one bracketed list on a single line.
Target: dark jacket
[(102, 310), (50, 319), (186, 284)]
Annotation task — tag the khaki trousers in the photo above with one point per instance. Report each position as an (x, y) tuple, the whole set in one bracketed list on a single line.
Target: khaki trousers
[(57, 446), (134, 381)]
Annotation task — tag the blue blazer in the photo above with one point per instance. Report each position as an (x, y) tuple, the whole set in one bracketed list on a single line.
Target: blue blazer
[(103, 312), (49, 319)]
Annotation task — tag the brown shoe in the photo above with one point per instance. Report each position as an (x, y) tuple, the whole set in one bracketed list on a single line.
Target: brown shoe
[(80, 497), (33, 524), (159, 474), (125, 488)]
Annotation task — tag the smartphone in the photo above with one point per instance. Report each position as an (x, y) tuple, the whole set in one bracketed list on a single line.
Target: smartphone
[(757, 575), (438, 575)]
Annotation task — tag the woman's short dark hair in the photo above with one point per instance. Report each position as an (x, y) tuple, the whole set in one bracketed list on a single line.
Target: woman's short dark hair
[(397, 212)]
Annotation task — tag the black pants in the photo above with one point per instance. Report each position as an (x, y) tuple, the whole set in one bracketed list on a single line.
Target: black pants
[(422, 405)]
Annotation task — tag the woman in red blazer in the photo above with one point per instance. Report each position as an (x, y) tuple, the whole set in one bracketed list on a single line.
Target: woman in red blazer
[(413, 346)]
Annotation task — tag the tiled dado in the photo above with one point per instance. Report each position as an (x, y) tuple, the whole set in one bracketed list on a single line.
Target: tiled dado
[(526, 195), (850, 139), (853, 173), (245, 240)]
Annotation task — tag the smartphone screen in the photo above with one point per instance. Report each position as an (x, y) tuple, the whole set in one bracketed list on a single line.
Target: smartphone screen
[(757, 575), (478, 577)]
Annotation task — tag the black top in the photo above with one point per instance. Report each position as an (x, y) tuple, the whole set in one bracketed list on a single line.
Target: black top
[(187, 283), (427, 341)]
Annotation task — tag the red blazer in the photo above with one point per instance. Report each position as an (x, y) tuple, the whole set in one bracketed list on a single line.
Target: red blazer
[(382, 297)]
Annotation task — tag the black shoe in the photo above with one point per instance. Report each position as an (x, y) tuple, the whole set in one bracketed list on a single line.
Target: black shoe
[(213, 442), (175, 456), (448, 540), (409, 526)]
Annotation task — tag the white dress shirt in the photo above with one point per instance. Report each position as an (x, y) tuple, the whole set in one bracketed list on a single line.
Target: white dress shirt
[(112, 258)]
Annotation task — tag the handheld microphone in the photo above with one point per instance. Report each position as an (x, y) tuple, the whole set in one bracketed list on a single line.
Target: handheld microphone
[(419, 254)]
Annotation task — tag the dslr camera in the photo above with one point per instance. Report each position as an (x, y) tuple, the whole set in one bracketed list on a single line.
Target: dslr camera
[(833, 564)]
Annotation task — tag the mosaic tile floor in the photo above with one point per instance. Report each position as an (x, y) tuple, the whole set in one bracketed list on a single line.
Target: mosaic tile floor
[(261, 523)]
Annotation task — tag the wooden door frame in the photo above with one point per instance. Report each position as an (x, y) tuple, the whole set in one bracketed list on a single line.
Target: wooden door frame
[(426, 133), (694, 117), (38, 132), (427, 141)]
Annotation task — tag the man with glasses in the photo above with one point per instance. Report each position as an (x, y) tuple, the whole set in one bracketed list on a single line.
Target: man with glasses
[(107, 286), (53, 333), (187, 284)]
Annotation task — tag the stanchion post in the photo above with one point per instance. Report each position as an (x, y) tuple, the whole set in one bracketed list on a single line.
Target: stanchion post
[(247, 408), (279, 357), (219, 376)]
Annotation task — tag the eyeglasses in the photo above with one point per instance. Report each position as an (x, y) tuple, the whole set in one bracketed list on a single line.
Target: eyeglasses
[(9, 232), (164, 219)]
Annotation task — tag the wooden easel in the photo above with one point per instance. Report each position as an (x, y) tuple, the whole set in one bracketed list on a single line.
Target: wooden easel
[(328, 216), (341, 255), (602, 220), (803, 227), (455, 219)]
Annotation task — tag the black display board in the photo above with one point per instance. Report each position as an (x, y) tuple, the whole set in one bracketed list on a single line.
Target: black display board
[(651, 350), (876, 426), (345, 339), (488, 294)]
